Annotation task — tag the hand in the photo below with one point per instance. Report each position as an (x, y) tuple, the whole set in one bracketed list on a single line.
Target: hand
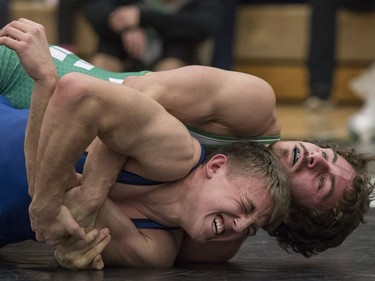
[(54, 227), (135, 42), (124, 17), (84, 254), (29, 41)]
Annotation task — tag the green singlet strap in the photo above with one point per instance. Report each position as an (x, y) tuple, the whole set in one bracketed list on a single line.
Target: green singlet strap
[(212, 141)]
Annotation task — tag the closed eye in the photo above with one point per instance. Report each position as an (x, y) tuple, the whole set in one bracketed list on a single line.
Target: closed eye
[(248, 206)]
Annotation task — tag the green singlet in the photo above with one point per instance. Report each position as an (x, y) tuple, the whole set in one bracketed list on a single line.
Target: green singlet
[(16, 85)]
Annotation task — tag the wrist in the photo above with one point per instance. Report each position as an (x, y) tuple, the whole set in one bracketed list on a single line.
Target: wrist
[(48, 82), (44, 209), (93, 197), (43, 201)]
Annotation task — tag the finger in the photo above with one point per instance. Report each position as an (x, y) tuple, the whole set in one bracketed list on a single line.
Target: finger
[(76, 231), (12, 32), (80, 259), (97, 263), (98, 248), (22, 27), (29, 22), (79, 244), (9, 42), (91, 239)]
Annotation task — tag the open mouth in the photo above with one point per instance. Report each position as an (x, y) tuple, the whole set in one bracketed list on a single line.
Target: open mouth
[(296, 154), (218, 225)]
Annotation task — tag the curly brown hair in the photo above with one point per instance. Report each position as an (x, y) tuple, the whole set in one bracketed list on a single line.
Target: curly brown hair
[(309, 232)]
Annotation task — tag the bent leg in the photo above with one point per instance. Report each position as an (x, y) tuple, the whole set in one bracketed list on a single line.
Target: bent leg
[(321, 56)]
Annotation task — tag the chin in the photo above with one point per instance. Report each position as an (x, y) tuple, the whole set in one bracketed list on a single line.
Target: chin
[(198, 238)]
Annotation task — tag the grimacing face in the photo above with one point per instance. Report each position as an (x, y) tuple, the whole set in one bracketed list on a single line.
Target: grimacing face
[(318, 176), (227, 208)]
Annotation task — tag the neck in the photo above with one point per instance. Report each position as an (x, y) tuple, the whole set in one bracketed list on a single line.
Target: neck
[(164, 204), (168, 204)]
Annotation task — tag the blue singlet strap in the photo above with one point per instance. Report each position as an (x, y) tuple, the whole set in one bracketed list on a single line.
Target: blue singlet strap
[(150, 224)]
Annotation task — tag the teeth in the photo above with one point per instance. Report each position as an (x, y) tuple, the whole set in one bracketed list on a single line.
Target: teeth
[(218, 226), (296, 154)]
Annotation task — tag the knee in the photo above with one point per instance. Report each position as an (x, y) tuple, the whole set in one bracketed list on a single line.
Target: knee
[(71, 90)]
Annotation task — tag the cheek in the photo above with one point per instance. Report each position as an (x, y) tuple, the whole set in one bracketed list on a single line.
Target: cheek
[(301, 190)]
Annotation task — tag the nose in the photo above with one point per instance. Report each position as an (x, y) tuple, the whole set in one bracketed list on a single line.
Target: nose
[(244, 224), (316, 160)]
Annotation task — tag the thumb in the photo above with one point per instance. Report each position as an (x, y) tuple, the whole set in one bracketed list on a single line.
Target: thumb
[(97, 263), (74, 229)]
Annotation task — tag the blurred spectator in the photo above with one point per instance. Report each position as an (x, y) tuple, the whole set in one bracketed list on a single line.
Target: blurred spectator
[(223, 56), (67, 10), (321, 56), (224, 42), (152, 34), (362, 124), (4, 12)]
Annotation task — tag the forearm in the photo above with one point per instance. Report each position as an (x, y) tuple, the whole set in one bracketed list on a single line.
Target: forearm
[(64, 135), (39, 100), (101, 170)]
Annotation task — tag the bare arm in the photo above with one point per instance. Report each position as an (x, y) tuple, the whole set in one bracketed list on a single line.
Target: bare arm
[(133, 247), (138, 247), (218, 101), (208, 252), (126, 246), (83, 108), (29, 41)]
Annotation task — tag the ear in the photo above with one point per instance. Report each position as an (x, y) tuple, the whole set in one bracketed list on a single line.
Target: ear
[(216, 163)]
